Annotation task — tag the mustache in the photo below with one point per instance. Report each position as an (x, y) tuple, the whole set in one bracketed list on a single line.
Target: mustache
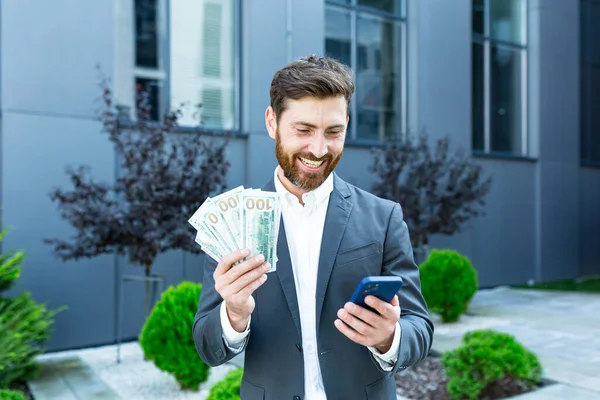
[(311, 157)]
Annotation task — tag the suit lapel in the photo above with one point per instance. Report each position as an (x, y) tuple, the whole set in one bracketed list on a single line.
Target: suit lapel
[(284, 270), (336, 220)]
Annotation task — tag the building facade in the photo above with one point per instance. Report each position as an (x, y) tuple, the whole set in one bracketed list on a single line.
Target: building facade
[(514, 82)]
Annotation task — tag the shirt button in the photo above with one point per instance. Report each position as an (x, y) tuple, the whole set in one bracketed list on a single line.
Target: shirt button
[(299, 347)]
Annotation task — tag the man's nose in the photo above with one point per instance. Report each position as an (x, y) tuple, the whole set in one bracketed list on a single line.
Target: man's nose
[(318, 146)]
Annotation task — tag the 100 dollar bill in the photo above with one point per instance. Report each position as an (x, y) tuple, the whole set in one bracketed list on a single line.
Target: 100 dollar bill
[(259, 224)]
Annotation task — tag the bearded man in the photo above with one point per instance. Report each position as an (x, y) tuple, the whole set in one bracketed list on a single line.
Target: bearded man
[(302, 337)]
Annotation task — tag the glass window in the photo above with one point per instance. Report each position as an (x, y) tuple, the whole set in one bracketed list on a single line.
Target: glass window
[(478, 99), (378, 76), (590, 81), (505, 100), (202, 61), (371, 43), (388, 6), (507, 20), (148, 97), (193, 65), (499, 73), (146, 33)]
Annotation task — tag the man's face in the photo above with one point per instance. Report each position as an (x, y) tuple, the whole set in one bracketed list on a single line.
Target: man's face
[(309, 139)]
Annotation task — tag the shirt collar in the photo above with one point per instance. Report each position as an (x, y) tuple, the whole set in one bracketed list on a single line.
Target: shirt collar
[(313, 197)]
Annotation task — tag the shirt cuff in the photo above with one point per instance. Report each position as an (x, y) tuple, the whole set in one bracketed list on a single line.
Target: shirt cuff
[(233, 339), (391, 355)]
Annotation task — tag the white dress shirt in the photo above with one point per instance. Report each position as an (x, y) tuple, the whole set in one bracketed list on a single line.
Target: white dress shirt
[(304, 231)]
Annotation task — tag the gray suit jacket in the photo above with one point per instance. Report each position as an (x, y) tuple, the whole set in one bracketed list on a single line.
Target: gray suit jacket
[(363, 236)]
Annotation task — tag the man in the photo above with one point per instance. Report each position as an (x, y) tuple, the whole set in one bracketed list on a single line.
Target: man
[(302, 338)]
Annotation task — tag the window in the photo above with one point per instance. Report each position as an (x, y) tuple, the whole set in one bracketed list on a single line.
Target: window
[(590, 81), (499, 76), (370, 37), (184, 53)]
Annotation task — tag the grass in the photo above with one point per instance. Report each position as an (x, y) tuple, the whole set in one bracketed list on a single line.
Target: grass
[(584, 284)]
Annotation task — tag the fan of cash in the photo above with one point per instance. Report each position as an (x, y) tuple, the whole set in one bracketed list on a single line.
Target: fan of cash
[(239, 218)]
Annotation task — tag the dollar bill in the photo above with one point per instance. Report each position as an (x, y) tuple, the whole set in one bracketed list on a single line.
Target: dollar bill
[(208, 246), (259, 223), (228, 205), (212, 218), (239, 218)]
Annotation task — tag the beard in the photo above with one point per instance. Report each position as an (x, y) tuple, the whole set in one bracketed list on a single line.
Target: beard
[(302, 179)]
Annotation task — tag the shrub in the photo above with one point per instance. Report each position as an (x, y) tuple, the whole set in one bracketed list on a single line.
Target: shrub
[(166, 337), (485, 358), (440, 188), (229, 387), (24, 324), (11, 395), (448, 282)]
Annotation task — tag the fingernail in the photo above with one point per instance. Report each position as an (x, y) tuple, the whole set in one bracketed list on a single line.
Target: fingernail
[(267, 266), (260, 258), (244, 251)]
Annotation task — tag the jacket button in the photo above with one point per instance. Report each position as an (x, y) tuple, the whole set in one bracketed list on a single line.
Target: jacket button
[(299, 347), (296, 397)]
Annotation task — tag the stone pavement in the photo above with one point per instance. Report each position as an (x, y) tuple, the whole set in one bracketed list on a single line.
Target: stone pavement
[(562, 328)]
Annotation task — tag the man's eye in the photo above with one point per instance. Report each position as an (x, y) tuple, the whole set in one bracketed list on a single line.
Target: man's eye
[(303, 130)]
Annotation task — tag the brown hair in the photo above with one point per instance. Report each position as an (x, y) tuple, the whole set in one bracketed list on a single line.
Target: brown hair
[(313, 76)]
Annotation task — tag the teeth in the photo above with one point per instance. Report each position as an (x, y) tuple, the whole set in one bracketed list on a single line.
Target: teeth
[(310, 163)]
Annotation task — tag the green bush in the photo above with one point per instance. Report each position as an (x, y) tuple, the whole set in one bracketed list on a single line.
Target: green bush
[(24, 324), (229, 387), (485, 357), (166, 337), (448, 283), (11, 395)]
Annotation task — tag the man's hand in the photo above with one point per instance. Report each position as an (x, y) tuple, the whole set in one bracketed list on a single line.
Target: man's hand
[(236, 285), (368, 328)]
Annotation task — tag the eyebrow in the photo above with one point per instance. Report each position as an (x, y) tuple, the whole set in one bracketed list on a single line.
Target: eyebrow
[(308, 124)]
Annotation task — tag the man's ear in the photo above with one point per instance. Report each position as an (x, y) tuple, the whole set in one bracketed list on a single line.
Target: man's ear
[(271, 122)]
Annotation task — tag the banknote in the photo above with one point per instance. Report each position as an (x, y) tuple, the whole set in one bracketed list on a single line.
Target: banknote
[(228, 205), (259, 224), (239, 218)]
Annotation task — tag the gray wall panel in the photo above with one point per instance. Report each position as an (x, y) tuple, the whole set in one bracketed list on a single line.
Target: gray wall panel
[(558, 124), (50, 51), (36, 151)]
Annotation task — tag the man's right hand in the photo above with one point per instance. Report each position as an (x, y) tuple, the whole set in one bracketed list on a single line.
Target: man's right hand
[(236, 285)]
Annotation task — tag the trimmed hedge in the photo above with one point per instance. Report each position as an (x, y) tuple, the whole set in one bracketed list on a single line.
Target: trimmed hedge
[(166, 337)]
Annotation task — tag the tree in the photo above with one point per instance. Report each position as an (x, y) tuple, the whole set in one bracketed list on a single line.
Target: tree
[(439, 191), (164, 176)]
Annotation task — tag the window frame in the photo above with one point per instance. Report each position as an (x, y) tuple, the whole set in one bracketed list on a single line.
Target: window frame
[(354, 10), (488, 42), (128, 71)]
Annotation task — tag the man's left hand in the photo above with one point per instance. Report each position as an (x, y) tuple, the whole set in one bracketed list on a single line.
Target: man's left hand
[(368, 328)]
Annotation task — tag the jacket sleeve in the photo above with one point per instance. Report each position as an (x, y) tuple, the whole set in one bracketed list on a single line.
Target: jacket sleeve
[(207, 329), (416, 335)]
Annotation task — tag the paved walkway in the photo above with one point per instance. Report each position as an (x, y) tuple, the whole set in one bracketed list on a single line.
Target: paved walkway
[(562, 328)]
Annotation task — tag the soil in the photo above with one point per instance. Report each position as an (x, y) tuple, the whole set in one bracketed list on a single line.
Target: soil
[(428, 381)]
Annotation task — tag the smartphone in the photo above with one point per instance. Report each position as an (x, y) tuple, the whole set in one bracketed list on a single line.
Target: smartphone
[(382, 287)]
